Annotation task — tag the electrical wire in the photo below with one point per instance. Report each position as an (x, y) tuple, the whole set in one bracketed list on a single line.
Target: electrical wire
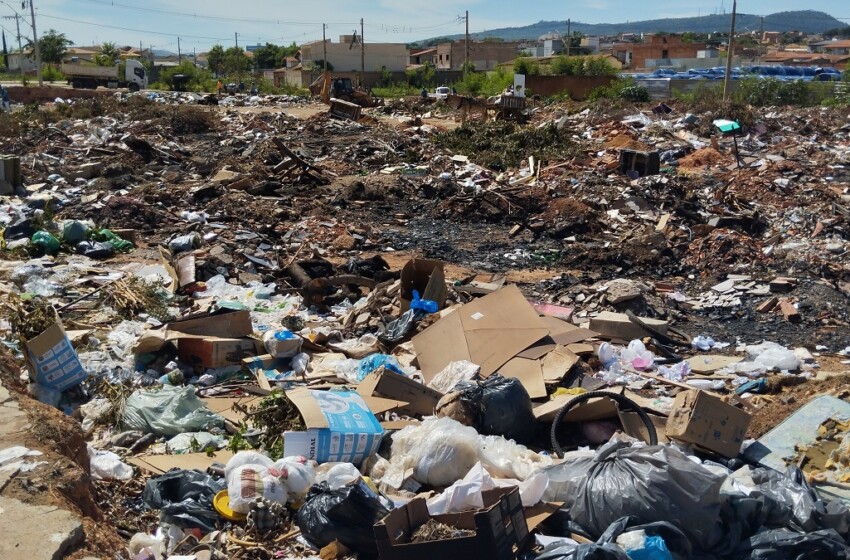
[(134, 30)]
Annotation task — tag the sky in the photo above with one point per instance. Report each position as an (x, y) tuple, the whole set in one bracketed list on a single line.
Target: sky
[(159, 23)]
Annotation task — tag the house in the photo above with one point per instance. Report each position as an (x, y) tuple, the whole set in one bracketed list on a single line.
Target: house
[(22, 61), (783, 58), (344, 56), (482, 55), (657, 48), (419, 58), (771, 37), (837, 47)]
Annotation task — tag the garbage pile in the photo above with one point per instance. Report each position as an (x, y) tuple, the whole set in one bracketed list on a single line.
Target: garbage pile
[(279, 334)]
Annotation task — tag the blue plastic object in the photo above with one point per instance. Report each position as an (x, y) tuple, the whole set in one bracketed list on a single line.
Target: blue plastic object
[(374, 361), (654, 548), (426, 305)]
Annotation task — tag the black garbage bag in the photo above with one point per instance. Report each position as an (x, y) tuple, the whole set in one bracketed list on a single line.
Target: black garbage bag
[(758, 498), (784, 544), (500, 406), (184, 498), (651, 484), (347, 515), (397, 329), (591, 551), (95, 249)]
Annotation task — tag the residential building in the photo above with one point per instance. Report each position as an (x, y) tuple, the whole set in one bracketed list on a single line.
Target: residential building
[(344, 56), (837, 47), (655, 47), (426, 56), (482, 55), (22, 61)]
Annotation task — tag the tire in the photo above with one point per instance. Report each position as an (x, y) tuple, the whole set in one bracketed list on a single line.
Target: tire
[(622, 402), (133, 87), (76, 84)]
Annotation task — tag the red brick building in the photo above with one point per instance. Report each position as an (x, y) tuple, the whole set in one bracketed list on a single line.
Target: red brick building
[(635, 55)]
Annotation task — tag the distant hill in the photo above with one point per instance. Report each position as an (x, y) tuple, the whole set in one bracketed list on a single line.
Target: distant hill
[(806, 21)]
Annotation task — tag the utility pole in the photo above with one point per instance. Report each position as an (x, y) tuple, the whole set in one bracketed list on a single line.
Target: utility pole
[(17, 19), (179, 53), (761, 36), (236, 38), (194, 56), (324, 48), (466, 48), (730, 51), (569, 35), (35, 42), (362, 54)]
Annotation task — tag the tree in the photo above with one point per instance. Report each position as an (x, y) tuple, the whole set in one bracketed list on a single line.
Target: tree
[(268, 56), (215, 59), (53, 46), (235, 62), (108, 55)]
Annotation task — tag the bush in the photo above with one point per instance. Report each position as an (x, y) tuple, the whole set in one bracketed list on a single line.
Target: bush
[(485, 83), (625, 89), (51, 74), (526, 66), (770, 91)]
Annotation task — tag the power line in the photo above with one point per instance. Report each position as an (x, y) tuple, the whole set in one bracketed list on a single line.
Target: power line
[(137, 30)]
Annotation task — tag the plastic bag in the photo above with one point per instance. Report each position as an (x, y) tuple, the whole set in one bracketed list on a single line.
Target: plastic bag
[(106, 465), (399, 328), (650, 483), (45, 242), (440, 451), (505, 459), (500, 406), (74, 231), (95, 249), (783, 544), (249, 482), (454, 373), (168, 412), (357, 348), (346, 515), (371, 363), (184, 498), (282, 343), (194, 441)]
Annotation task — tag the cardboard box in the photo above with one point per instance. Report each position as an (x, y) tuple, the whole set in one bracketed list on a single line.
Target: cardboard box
[(618, 326), (708, 422), (488, 331), (427, 278), (52, 361), (500, 530), (217, 352), (385, 383), (225, 324), (340, 427)]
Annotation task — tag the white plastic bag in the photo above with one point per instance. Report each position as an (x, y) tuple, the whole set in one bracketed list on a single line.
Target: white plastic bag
[(243, 458), (357, 348), (249, 482), (282, 343), (503, 458), (440, 451), (453, 374), (106, 465), (298, 474), (341, 475)]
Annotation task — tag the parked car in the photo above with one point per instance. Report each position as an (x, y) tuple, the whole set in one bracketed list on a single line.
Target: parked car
[(442, 92)]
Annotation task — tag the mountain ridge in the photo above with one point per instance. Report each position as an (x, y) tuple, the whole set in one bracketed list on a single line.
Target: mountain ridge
[(805, 21)]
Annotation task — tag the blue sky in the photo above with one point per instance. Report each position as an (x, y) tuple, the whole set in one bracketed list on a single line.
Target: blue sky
[(280, 21)]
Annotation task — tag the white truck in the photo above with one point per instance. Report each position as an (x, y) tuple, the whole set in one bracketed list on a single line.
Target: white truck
[(130, 74)]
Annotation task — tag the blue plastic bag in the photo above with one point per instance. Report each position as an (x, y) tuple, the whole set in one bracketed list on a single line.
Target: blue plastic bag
[(654, 548), (374, 361)]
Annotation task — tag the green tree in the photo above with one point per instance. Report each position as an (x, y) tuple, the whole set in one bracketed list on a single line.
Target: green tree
[(215, 59), (53, 46), (422, 76), (108, 55), (268, 56), (235, 62)]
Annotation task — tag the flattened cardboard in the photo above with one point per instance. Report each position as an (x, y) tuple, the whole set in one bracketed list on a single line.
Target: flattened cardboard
[(708, 422), (529, 373), (52, 361), (557, 363), (482, 284), (421, 399), (618, 326), (556, 311), (213, 352), (340, 427), (160, 464), (228, 324), (223, 406), (426, 277), (709, 363), (488, 331)]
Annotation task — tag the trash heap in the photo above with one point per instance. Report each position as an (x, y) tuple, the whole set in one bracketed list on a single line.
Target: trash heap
[(258, 331)]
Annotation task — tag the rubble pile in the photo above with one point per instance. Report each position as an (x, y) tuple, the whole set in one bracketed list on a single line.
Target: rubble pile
[(242, 327)]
